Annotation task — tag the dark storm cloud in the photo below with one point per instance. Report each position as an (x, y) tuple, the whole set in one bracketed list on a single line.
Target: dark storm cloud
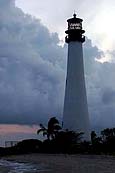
[(101, 92), (108, 96), (33, 68)]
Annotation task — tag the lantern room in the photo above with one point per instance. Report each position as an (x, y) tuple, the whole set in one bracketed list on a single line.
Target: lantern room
[(75, 30)]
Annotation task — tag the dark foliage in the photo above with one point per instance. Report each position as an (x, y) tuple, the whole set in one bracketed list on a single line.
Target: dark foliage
[(29, 146), (58, 140), (51, 130), (108, 136), (65, 141), (23, 147)]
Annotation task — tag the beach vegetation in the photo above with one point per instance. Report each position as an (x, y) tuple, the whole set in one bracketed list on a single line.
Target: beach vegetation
[(52, 129), (59, 140)]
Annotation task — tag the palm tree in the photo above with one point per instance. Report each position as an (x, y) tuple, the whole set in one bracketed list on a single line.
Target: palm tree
[(93, 137), (51, 130), (106, 133)]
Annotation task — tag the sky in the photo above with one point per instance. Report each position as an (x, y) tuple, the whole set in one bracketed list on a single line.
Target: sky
[(98, 17), (33, 58)]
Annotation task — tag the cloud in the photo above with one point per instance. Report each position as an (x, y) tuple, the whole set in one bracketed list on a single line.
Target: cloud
[(101, 91), (108, 96), (32, 68), (33, 72)]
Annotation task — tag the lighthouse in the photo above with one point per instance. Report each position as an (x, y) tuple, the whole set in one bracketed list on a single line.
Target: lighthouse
[(75, 112)]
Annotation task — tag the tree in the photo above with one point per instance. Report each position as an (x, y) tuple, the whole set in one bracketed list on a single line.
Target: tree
[(67, 141), (51, 130), (96, 141), (108, 136), (93, 136), (108, 133)]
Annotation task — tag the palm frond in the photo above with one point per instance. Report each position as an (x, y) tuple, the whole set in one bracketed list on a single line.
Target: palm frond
[(42, 126), (39, 131), (57, 127), (44, 133)]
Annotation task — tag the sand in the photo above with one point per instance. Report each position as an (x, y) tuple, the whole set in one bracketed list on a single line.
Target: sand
[(4, 169), (68, 163)]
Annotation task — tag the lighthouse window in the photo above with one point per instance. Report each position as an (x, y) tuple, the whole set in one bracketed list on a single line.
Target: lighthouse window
[(75, 26)]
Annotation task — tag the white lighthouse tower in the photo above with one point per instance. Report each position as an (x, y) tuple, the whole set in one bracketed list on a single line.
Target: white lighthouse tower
[(75, 113)]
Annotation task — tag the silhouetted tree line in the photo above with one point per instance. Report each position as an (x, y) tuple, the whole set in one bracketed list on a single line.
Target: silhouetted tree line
[(64, 141)]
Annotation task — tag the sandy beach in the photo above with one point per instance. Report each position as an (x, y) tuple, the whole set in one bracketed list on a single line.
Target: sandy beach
[(68, 163), (4, 169)]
